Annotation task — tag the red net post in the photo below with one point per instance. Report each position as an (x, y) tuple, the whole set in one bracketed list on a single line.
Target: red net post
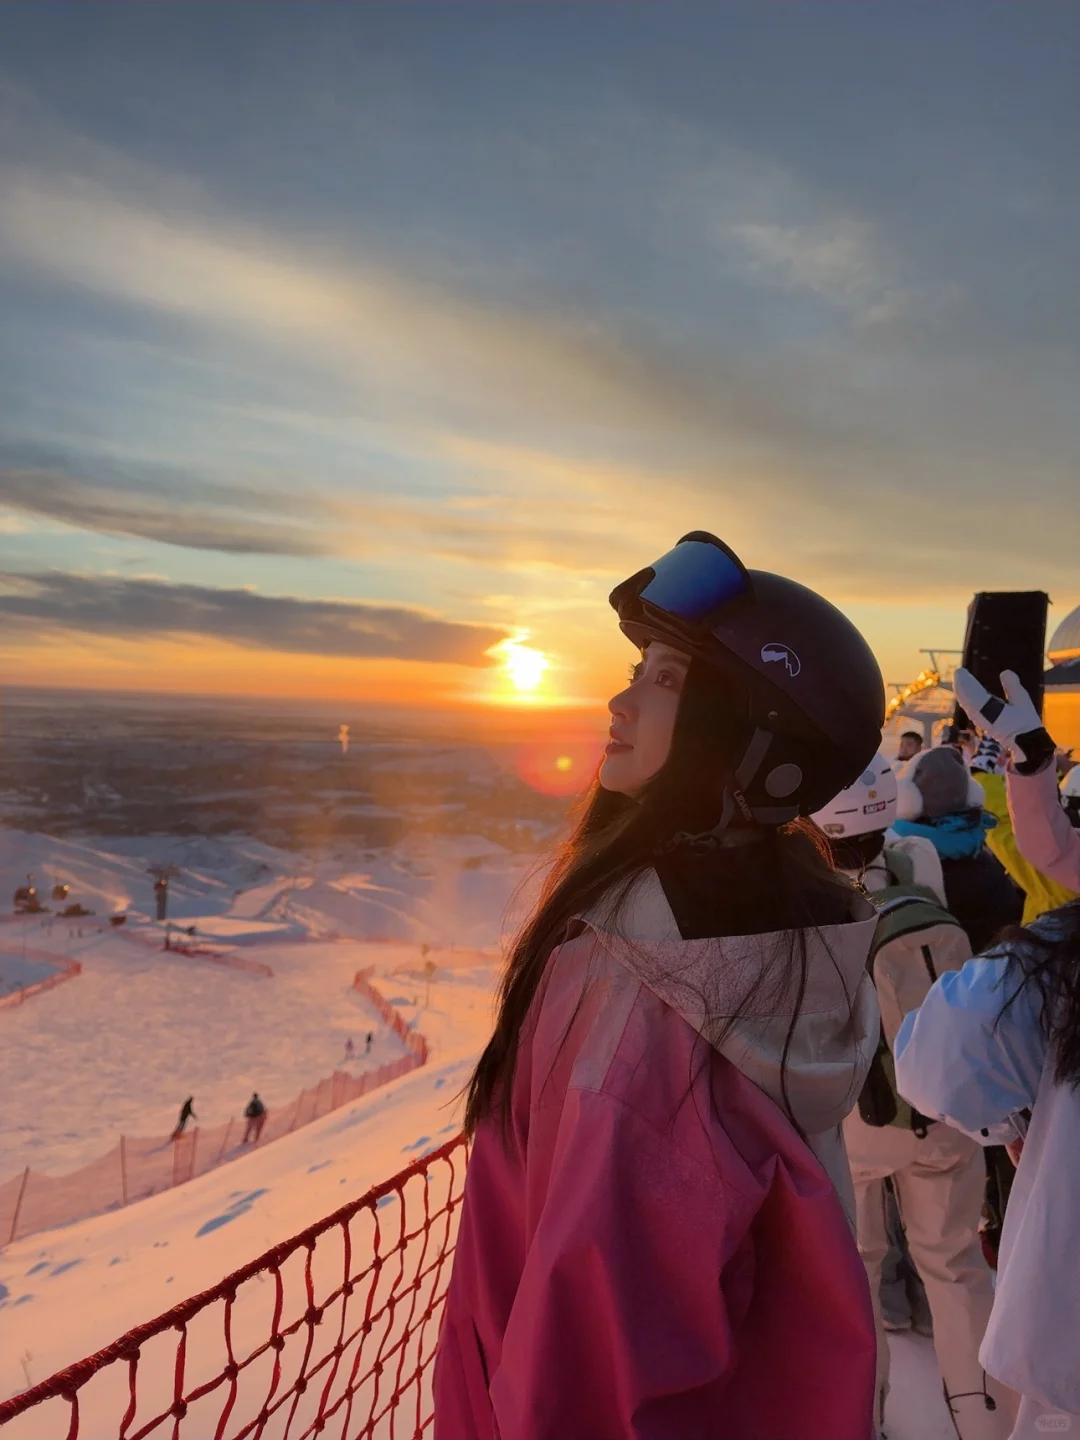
[(18, 1204), (225, 1139)]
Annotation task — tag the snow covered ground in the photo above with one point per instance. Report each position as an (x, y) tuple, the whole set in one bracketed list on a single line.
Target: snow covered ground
[(121, 1044), (18, 972), (116, 1050), (65, 1294)]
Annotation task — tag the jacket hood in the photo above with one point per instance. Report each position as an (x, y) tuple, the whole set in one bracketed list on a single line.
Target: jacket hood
[(705, 981), (954, 837)]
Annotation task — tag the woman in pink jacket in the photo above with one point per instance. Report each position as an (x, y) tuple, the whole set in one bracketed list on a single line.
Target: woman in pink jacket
[(1044, 833), (656, 1236)]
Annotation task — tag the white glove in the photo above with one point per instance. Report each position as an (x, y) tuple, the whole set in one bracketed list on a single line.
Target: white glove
[(1003, 720)]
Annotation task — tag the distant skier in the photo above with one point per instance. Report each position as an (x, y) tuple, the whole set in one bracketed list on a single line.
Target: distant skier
[(350, 1049), (187, 1112), (370, 1042), (255, 1115)]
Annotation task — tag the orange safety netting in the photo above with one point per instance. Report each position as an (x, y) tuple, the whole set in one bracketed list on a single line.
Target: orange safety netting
[(140, 1166), (330, 1333)]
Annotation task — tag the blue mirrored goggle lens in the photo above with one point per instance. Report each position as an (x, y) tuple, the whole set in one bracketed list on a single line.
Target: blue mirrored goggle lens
[(694, 580)]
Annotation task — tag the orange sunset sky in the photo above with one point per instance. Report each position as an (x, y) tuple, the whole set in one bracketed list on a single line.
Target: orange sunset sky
[(363, 361)]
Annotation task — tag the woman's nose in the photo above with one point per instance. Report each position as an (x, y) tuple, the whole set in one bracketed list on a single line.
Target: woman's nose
[(620, 705)]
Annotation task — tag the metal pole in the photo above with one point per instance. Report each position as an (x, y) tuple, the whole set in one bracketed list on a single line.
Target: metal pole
[(296, 1111), (18, 1204), (225, 1141)]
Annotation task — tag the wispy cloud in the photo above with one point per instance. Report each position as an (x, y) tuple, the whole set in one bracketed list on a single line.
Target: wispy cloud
[(195, 516), (131, 607), (399, 345), (502, 530), (601, 327), (837, 260)]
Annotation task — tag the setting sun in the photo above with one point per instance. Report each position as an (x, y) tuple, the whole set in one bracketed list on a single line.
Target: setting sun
[(524, 667)]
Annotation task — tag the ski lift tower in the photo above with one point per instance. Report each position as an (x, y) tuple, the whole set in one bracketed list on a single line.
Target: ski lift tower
[(928, 700), (162, 875)]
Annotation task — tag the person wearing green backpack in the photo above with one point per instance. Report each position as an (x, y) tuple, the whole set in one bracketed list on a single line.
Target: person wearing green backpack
[(936, 1173)]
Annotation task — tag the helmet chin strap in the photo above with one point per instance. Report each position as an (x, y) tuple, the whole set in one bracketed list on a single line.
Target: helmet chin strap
[(736, 807)]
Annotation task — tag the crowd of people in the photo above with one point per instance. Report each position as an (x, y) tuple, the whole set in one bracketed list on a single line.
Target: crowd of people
[(786, 1056)]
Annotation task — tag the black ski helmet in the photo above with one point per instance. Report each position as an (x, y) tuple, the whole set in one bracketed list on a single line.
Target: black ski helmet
[(812, 691)]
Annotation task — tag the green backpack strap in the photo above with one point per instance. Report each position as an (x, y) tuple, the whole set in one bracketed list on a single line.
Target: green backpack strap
[(903, 907), (900, 866)]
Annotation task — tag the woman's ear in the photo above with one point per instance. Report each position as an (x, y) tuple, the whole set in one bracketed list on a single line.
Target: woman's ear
[(909, 801)]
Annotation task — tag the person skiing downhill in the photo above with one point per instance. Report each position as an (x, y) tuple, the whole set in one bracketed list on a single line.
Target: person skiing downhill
[(255, 1115), (187, 1112), (350, 1049), (937, 1174), (656, 1235)]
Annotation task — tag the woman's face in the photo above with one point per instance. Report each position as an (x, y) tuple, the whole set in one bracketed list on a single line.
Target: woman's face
[(643, 719)]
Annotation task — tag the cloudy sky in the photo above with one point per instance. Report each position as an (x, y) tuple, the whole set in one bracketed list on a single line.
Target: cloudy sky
[(339, 342)]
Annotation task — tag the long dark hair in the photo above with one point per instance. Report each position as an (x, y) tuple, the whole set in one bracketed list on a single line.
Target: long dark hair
[(784, 881), (1049, 961)]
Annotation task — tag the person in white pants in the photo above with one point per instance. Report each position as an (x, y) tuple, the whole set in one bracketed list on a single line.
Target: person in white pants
[(939, 1179)]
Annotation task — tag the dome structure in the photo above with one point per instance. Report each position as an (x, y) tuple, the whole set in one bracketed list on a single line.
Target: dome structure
[(1065, 641)]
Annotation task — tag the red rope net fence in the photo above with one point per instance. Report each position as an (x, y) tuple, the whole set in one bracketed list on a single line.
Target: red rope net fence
[(331, 1333), (140, 1166), (175, 945)]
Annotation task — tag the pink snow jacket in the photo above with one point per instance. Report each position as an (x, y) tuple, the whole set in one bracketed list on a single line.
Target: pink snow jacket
[(1043, 833), (655, 1253)]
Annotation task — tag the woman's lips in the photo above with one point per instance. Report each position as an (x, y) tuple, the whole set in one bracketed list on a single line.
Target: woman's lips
[(616, 747)]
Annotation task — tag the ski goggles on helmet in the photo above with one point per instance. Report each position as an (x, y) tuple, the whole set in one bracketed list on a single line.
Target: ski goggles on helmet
[(692, 586)]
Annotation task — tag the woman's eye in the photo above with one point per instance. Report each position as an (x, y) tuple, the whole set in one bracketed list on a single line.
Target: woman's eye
[(665, 677)]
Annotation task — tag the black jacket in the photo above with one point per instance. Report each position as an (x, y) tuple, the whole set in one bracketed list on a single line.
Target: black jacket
[(982, 897)]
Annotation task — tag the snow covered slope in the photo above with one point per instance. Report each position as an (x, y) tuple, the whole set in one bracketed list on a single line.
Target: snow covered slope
[(116, 1050), (67, 1293)]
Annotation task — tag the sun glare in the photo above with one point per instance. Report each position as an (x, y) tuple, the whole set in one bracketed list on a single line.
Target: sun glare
[(523, 666)]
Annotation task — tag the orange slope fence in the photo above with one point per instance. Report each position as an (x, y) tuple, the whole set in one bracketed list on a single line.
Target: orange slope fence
[(138, 1167), (390, 1017), (196, 950), (331, 1333), (61, 972)]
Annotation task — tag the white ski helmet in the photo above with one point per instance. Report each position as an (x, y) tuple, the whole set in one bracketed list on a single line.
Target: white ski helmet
[(867, 804)]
